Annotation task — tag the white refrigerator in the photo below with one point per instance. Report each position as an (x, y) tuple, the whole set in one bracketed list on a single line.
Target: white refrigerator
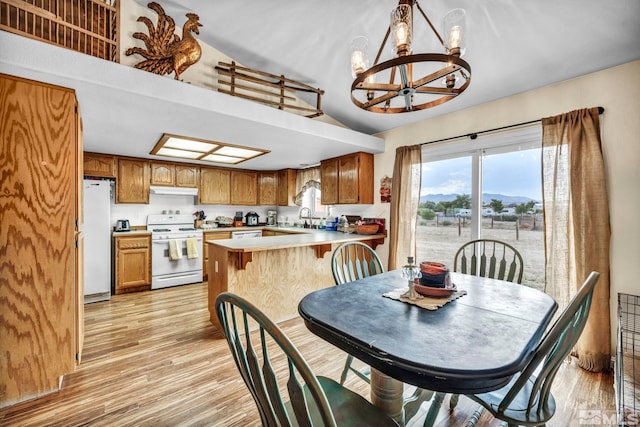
[(97, 240)]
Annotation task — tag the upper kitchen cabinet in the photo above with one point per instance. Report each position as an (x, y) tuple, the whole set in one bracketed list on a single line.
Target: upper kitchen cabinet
[(244, 188), (187, 176), (215, 186), (286, 187), (41, 290), (163, 173), (102, 165), (347, 179), (329, 182), (174, 175), (132, 184), (267, 188)]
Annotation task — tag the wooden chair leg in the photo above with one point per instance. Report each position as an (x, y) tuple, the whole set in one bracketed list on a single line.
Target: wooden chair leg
[(413, 402), (434, 409), (475, 417), (345, 371), (453, 401)]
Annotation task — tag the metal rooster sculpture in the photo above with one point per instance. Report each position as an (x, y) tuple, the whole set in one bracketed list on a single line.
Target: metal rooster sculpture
[(165, 51)]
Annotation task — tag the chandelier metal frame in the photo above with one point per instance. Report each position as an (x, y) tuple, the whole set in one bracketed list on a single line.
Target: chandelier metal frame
[(453, 70)]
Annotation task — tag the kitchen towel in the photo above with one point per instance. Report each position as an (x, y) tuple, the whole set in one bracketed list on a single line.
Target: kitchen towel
[(175, 249), (192, 248)]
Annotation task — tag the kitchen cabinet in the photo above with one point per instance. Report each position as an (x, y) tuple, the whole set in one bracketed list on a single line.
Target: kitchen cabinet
[(347, 179), (132, 263), (41, 290), (102, 165), (286, 195), (329, 182), (215, 186), (132, 184), (244, 188), (174, 175), (210, 235), (267, 188), (187, 176), (163, 173)]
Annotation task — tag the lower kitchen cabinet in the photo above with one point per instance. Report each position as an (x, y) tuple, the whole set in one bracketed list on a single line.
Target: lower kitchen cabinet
[(210, 235), (132, 263)]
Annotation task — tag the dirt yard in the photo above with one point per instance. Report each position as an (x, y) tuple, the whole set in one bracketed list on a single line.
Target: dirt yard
[(440, 243)]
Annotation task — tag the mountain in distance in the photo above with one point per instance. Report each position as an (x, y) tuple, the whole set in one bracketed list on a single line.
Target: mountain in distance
[(486, 198)]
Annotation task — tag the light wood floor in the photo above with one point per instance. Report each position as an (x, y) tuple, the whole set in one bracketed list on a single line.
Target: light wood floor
[(150, 360)]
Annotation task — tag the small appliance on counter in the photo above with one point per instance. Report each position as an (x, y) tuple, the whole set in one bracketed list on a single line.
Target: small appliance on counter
[(252, 219), (237, 219), (123, 225), (271, 217)]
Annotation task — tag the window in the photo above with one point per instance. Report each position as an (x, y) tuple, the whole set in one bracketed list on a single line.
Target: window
[(491, 188), (312, 200)]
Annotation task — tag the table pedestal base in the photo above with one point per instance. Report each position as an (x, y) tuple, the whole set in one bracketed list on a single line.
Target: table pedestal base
[(386, 394)]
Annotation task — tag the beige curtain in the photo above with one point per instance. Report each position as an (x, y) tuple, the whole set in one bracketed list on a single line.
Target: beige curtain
[(305, 179), (405, 198), (576, 217)]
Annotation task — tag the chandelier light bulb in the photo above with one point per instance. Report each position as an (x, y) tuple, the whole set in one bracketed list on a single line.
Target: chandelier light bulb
[(401, 28), (455, 37), (359, 61), (454, 31)]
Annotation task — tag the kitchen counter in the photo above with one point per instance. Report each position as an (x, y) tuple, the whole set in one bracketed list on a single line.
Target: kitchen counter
[(295, 237), (130, 233), (275, 272)]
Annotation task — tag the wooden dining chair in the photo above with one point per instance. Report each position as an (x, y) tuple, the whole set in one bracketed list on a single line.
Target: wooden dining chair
[(264, 354), (527, 399), (354, 261), (489, 258)]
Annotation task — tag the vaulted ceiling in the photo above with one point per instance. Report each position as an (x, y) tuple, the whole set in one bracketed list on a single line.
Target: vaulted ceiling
[(512, 46)]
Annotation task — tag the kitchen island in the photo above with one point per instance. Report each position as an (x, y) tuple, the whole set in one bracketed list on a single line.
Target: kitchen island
[(275, 272)]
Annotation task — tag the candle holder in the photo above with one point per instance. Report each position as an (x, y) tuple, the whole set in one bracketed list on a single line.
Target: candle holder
[(411, 272)]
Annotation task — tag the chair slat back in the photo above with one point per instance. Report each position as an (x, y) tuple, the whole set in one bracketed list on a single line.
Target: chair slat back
[(354, 261), (489, 258), (237, 317), (553, 349)]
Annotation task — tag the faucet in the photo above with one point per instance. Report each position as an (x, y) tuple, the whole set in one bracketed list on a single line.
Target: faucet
[(305, 213)]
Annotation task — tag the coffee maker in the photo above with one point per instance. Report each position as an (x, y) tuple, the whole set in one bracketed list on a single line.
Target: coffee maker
[(271, 217)]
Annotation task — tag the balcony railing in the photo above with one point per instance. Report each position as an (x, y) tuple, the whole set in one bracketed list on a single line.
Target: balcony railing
[(86, 26)]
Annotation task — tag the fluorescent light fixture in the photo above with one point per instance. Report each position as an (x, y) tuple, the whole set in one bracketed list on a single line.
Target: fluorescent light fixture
[(201, 149), (222, 159), (172, 152)]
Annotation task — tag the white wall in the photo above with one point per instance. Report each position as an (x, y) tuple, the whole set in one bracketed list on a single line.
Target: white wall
[(617, 90)]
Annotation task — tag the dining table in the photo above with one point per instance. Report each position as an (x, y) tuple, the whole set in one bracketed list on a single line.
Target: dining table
[(472, 342)]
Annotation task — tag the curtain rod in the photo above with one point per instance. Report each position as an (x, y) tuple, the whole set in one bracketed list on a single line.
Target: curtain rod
[(474, 135)]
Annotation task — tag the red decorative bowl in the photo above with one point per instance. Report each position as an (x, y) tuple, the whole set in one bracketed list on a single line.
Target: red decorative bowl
[(430, 291)]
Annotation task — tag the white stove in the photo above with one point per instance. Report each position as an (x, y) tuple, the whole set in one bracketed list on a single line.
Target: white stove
[(176, 254)]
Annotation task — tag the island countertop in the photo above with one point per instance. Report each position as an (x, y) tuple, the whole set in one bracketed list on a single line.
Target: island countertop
[(275, 272), (295, 237)]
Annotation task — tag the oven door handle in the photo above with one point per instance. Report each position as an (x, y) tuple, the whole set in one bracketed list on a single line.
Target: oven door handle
[(166, 242)]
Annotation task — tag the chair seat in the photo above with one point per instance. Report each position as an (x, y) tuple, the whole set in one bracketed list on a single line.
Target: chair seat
[(516, 413), (349, 408)]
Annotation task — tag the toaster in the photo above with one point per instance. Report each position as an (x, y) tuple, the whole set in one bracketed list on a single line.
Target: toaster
[(123, 225)]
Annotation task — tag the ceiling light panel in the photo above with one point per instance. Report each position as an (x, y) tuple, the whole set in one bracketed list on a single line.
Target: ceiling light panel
[(190, 144), (184, 147)]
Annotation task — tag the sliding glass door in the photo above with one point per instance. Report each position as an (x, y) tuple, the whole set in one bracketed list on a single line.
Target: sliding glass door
[(490, 188)]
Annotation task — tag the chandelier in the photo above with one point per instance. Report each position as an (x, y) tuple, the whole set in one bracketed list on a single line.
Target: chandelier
[(410, 82)]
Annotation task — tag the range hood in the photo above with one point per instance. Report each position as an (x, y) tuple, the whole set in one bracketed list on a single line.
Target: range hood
[(173, 191)]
